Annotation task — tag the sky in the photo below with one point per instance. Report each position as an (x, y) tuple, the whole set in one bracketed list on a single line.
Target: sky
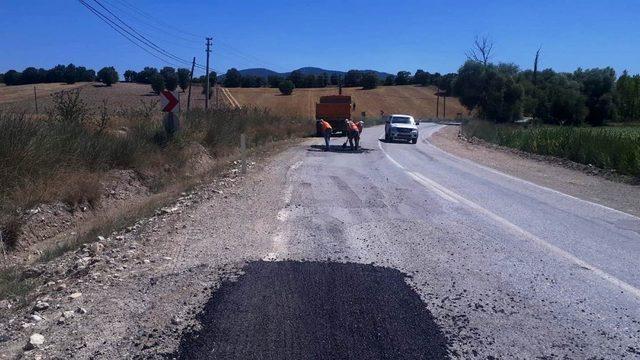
[(333, 34)]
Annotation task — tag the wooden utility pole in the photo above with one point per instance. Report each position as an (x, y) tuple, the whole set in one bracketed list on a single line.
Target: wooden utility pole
[(444, 107), (193, 65), (206, 100), (437, 105), (35, 98)]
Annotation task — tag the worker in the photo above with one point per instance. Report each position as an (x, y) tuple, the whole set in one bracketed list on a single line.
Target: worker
[(325, 130), (353, 135)]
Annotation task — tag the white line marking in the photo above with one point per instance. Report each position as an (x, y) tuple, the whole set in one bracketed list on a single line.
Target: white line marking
[(511, 177), (519, 231)]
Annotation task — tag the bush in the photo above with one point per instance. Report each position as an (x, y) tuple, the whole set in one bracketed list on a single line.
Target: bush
[(171, 82), (108, 75), (369, 81), (184, 75), (286, 87), (157, 84)]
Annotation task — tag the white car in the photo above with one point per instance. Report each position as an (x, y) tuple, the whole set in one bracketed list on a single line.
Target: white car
[(401, 127)]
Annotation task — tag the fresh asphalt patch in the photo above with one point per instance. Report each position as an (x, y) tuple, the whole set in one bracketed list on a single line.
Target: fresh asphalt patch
[(315, 310)]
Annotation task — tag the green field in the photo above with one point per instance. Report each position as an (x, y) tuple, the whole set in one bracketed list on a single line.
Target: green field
[(611, 147)]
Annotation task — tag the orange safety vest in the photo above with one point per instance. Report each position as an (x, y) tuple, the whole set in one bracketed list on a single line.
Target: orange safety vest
[(359, 125), (325, 126), (352, 126)]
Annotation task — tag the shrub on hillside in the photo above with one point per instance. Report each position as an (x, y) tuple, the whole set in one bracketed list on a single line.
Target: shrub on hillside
[(286, 87), (369, 81), (108, 75), (157, 83)]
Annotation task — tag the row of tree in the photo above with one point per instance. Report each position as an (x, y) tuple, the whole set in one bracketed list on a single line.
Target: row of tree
[(68, 74), (352, 78), (502, 92)]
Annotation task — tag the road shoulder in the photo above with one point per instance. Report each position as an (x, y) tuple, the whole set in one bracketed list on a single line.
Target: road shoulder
[(616, 195)]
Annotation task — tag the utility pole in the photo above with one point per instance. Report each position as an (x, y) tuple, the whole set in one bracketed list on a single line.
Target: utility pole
[(206, 100), (444, 107), (35, 98), (437, 105), (193, 65)]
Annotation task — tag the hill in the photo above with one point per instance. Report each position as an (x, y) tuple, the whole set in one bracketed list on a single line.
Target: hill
[(264, 73), (418, 101)]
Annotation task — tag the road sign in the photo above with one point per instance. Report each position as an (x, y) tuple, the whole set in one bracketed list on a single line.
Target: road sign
[(169, 101)]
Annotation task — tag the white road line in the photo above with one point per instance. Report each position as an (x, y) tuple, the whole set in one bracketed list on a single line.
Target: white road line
[(519, 231), (511, 177)]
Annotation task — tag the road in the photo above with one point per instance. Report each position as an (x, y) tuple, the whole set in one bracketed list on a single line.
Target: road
[(405, 251)]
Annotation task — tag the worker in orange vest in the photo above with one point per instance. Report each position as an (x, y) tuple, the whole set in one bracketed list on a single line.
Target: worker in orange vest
[(325, 130), (353, 134)]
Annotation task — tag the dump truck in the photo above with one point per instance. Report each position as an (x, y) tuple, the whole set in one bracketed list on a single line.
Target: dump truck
[(334, 109)]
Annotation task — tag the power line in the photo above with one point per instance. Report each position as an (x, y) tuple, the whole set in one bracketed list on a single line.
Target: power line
[(142, 42), (101, 17), (140, 37), (147, 15)]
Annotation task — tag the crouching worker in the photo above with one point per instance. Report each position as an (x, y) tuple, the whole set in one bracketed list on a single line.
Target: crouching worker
[(325, 130), (353, 135)]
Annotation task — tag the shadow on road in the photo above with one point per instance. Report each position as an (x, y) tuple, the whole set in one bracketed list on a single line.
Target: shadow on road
[(338, 149), (315, 310)]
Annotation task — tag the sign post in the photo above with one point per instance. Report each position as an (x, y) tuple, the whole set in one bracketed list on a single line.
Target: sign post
[(243, 152), (170, 102)]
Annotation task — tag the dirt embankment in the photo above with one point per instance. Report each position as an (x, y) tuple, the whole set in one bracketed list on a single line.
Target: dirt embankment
[(137, 290), (577, 180)]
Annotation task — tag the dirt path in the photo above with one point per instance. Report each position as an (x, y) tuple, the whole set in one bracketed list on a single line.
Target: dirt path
[(620, 196)]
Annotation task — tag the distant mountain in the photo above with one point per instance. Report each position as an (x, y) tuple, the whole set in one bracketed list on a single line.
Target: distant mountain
[(264, 73)]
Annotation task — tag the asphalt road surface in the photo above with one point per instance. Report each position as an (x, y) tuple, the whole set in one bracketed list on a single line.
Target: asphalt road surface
[(404, 251)]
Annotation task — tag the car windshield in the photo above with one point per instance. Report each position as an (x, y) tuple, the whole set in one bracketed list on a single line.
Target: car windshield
[(401, 120)]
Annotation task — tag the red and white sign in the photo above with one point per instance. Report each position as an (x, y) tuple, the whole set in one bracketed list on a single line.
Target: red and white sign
[(169, 101)]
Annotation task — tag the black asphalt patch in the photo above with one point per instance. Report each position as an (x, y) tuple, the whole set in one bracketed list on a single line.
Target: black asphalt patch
[(315, 310)]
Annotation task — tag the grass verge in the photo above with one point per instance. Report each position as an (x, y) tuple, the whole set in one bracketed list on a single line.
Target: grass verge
[(611, 148)]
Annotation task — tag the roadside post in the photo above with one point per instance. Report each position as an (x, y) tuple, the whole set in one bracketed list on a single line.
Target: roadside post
[(363, 116), (243, 153), (171, 105)]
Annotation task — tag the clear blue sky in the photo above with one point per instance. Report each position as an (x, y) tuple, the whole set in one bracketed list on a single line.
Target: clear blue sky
[(334, 34)]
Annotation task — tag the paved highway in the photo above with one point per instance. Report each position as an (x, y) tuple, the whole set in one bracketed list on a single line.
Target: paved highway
[(405, 251)]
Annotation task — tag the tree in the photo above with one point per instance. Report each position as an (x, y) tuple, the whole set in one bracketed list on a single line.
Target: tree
[(108, 75), (490, 89), (597, 87), (323, 80), (70, 74), (184, 76), (334, 79), (286, 87), (369, 80), (309, 81), (482, 50), (171, 81), (352, 78), (389, 80), (130, 76), (628, 97), (274, 81), (1, 78), (420, 77), (403, 78), (167, 71), (12, 77), (296, 78), (56, 74), (157, 83), (146, 75), (29, 76), (232, 78)]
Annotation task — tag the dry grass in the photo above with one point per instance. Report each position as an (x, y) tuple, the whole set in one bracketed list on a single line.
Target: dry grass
[(121, 97), (413, 100)]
